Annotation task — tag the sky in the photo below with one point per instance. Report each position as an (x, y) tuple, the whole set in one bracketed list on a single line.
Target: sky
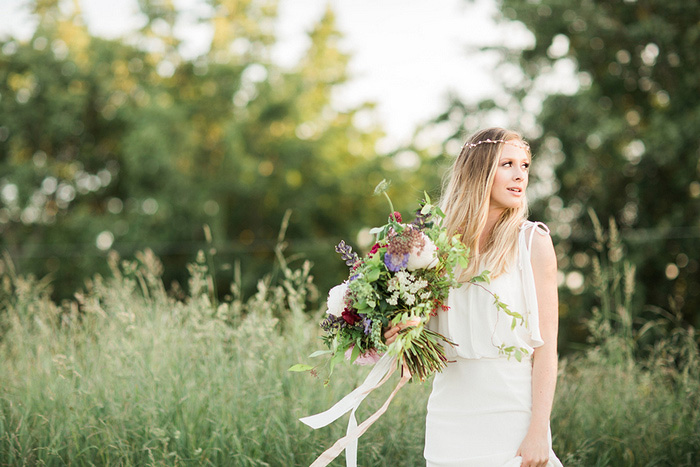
[(407, 55)]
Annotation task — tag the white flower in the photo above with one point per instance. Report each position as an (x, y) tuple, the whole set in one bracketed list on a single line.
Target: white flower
[(426, 258), (336, 299)]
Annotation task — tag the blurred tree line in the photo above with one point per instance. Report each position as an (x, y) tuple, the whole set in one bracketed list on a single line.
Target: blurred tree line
[(627, 143), (623, 141), (123, 144), (126, 144)]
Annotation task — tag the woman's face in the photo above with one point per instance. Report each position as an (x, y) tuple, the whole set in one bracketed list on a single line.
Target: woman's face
[(511, 177)]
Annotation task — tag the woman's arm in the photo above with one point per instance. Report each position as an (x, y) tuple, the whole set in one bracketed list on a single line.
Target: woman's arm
[(535, 447)]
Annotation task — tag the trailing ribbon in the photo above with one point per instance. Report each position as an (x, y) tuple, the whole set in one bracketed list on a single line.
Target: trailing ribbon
[(381, 372)]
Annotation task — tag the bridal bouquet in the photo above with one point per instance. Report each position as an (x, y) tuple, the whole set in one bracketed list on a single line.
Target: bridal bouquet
[(403, 280)]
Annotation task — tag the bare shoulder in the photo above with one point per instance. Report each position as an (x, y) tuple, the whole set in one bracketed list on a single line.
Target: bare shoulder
[(542, 255)]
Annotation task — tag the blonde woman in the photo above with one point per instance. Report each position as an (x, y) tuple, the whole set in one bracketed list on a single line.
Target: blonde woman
[(486, 408)]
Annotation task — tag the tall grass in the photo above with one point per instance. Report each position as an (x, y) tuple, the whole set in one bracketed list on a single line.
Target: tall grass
[(632, 398), (126, 374)]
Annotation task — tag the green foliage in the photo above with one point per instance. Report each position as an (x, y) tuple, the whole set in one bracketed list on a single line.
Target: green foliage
[(630, 397), (130, 144), (129, 375), (625, 143), (132, 376)]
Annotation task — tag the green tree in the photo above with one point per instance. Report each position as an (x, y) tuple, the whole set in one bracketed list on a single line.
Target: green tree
[(619, 136), (125, 144), (626, 142)]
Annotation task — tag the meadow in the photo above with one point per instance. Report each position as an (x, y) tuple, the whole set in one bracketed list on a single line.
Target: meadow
[(132, 374)]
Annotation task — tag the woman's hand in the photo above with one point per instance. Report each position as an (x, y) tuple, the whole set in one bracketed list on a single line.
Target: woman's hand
[(534, 450), (391, 333)]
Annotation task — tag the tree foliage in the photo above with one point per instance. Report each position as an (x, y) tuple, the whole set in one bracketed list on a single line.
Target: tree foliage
[(626, 143), (129, 143)]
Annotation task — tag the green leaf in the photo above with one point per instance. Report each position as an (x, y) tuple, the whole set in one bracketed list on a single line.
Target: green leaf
[(318, 353), (355, 353), (300, 367), (372, 275), (518, 355), (337, 357)]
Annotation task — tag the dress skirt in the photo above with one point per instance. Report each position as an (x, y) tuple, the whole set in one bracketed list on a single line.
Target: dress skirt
[(479, 412)]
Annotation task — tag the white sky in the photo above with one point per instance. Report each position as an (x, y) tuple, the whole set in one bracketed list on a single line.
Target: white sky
[(406, 54)]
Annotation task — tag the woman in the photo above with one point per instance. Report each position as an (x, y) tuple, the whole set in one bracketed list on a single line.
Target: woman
[(487, 408)]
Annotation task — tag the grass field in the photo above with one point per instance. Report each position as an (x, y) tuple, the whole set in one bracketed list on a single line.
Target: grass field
[(127, 375)]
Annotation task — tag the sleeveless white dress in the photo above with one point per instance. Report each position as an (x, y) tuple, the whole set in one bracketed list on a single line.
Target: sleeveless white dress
[(480, 406)]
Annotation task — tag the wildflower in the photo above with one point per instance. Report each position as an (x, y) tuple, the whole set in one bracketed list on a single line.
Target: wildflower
[(396, 262), (350, 316), (367, 323), (346, 253)]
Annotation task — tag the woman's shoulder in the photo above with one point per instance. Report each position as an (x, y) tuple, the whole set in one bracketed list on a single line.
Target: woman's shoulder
[(530, 227), (540, 245)]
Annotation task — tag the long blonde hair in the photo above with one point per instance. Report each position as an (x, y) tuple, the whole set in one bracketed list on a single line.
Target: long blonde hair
[(465, 201)]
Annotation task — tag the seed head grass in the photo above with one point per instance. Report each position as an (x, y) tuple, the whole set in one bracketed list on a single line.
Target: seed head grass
[(131, 374)]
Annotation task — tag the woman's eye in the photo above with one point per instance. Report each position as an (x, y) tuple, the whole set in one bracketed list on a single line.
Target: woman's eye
[(507, 164)]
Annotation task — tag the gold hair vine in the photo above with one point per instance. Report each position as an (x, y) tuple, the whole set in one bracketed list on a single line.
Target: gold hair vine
[(514, 142)]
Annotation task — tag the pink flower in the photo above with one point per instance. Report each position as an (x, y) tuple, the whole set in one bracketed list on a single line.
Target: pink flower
[(368, 358), (396, 216), (375, 248)]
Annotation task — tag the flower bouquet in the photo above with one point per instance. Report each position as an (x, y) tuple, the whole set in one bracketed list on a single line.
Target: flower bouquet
[(403, 280)]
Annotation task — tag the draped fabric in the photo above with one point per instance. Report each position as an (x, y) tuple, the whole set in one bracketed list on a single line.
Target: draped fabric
[(477, 326), (480, 406)]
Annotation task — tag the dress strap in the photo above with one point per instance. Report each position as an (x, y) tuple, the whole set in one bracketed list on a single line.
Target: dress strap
[(540, 227)]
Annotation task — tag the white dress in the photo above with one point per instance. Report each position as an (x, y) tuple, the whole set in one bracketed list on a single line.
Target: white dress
[(480, 406)]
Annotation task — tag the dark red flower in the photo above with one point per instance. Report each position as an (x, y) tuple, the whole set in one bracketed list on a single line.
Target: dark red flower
[(396, 215), (351, 317), (374, 249)]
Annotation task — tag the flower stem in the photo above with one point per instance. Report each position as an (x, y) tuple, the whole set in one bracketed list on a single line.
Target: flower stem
[(391, 205)]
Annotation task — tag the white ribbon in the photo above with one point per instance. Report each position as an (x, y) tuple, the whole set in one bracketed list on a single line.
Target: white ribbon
[(379, 375)]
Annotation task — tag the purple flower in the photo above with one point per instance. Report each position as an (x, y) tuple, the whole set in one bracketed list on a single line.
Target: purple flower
[(396, 262), (346, 253), (367, 323)]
